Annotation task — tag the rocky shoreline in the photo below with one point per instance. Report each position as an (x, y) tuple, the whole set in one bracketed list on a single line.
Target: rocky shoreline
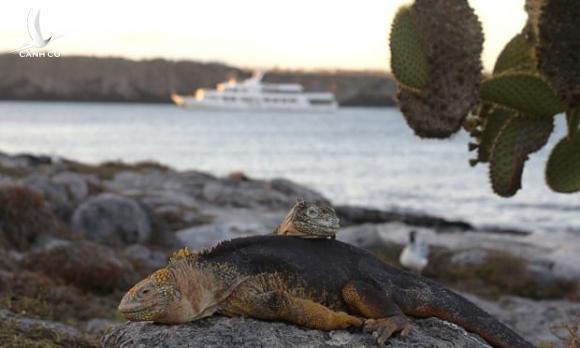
[(74, 237)]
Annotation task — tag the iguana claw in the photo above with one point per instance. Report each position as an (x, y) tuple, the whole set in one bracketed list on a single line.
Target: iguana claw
[(383, 328)]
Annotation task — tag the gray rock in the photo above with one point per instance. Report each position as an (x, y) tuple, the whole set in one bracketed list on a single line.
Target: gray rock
[(275, 194), (201, 237), (56, 195), (363, 236), (76, 185), (537, 321), (240, 332), (189, 189), (98, 326), (243, 195), (23, 160), (112, 219), (296, 191), (151, 181), (145, 259), (6, 181), (228, 224), (64, 335)]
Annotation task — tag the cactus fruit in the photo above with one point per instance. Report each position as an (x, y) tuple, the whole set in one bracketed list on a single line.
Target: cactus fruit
[(450, 41), (408, 62), (523, 92), (517, 55), (563, 168), (518, 138), (558, 47)]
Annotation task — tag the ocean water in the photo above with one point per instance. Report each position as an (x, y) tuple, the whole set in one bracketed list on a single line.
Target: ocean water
[(365, 156)]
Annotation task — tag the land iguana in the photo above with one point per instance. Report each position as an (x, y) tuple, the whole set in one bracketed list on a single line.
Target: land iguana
[(317, 283), (309, 220)]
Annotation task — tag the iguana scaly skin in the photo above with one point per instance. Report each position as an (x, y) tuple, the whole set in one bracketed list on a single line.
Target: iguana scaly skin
[(309, 220), (317, 283)]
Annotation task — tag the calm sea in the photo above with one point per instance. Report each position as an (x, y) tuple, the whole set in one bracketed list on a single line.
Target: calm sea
[(360, 156)]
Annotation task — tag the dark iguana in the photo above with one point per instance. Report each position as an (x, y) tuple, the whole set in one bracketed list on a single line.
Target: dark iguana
[(317, 283), (309, 220)]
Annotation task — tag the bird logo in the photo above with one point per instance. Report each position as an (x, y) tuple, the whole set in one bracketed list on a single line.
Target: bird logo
[(37, 40)]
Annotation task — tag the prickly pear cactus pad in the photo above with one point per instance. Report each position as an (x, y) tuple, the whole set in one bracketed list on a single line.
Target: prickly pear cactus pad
[(408, 62), (563, 168), (435, 57), (450, 40), (523, 92), (558, 47), (517, 55), (518, 138), (493, 119)]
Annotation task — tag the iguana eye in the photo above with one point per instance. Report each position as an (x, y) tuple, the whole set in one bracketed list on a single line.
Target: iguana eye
[(312, 212)]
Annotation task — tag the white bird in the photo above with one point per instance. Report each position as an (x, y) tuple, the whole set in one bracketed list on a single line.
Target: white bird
[(415, 255), (37, 41)]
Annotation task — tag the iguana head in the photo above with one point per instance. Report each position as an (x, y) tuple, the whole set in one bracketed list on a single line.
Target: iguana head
[(176, 294), (314, 219), (153, 298)]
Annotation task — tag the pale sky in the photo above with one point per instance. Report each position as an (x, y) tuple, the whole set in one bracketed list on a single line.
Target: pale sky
[(296, 34)]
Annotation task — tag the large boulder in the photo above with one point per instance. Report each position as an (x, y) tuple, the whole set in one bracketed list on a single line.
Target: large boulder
[(228, 224), (274, 194), (112, 219), (78, 186), (55, 195), (145, 260), (24, 160), (240, 332), (202, 237)]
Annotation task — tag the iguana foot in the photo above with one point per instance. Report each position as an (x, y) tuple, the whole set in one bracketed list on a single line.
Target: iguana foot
[(384, 328)]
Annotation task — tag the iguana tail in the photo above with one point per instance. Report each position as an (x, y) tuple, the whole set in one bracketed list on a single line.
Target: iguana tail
[(449, 306)]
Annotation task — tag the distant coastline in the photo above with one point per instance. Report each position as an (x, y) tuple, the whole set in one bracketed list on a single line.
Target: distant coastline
[(111, 79)]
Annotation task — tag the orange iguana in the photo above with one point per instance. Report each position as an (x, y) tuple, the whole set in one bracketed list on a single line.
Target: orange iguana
[(317, 283)]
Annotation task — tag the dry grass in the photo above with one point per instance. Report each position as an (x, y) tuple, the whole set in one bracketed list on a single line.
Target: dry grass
[(13, 172), (568, 334), (108, 170), (503, 273), (38, 296), (500, 273), (24, 216)]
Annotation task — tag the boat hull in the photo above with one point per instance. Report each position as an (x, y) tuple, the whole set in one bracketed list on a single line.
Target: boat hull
[(192, 103)]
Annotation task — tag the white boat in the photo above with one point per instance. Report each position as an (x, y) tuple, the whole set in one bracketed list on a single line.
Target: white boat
[(254, 95)]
